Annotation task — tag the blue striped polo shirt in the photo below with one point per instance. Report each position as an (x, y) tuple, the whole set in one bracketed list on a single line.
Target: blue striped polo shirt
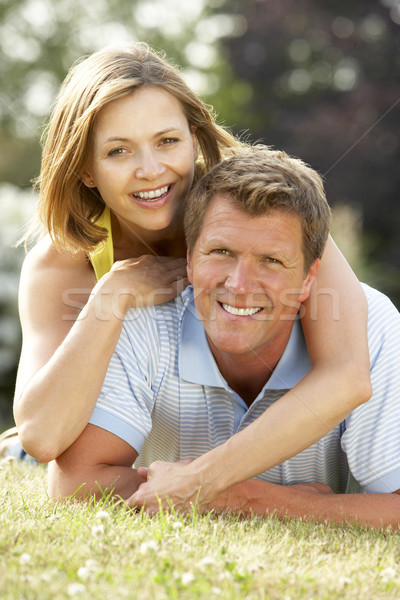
[(164, 395)]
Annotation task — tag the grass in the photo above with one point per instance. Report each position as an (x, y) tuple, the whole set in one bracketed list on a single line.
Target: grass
[(56, 551)]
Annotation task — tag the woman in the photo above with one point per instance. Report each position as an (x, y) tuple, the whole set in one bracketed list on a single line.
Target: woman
[(125, 141)]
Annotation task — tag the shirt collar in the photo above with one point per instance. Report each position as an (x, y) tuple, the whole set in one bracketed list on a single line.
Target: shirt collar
[(197, 363)]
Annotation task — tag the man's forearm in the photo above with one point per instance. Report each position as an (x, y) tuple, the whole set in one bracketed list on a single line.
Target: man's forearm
[(258, 498)]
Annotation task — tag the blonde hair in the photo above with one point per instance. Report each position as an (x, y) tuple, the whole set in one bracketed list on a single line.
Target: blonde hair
[(258, 181), (67, 208)]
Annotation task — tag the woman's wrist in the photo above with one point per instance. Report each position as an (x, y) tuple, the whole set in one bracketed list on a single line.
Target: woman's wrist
[(110, 299), (212, 474)]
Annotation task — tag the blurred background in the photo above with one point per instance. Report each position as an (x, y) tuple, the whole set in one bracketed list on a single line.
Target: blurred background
[(317, 79)]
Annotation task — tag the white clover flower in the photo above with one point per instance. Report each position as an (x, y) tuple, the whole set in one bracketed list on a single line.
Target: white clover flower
[(177, 525), (187, 578), (205, 561), (25, 559), (103, 515), (53, 518), (84, 573), (146, 546), (75, 589), (388, 573), (90, 568), (98, 530)]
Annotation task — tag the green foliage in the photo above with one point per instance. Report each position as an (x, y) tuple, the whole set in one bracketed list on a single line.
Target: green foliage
[(318, 79), (102, 551), (42, 39), (321, 81)]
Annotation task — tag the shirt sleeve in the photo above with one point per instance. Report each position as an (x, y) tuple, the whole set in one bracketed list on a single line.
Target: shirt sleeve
[(372, 436), (126, 400)]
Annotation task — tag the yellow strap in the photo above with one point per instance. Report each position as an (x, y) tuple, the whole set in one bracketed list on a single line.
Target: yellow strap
[(102, 258)]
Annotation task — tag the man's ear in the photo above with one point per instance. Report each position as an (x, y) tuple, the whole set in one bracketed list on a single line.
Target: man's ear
[(308, 281), (189, 267)]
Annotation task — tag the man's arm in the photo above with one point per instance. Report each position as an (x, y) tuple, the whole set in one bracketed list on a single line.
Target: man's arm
[(254, 497), (98, 459), (315, 502)]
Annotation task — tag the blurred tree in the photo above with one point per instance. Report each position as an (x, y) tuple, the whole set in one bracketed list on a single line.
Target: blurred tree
[(321, 80), (39, 41), (317, 79)]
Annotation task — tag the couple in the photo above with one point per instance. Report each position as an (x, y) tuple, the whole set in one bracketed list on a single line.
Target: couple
[(188, 374), (125, 143)]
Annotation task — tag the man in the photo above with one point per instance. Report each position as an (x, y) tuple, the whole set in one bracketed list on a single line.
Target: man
[(187, 375)]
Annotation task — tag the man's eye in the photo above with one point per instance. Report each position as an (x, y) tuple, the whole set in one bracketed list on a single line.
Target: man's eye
[(221, 251), (272, 261)]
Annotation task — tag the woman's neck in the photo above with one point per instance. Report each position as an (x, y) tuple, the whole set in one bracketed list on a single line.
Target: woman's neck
[(130, 242)]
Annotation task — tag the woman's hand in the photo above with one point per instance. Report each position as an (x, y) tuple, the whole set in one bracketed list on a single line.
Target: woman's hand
[(144, 281)]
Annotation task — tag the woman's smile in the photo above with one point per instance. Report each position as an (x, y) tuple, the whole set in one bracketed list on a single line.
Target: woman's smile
[(143, 159)]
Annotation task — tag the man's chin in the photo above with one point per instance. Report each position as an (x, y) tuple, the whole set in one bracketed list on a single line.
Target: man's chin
[(230, 346)]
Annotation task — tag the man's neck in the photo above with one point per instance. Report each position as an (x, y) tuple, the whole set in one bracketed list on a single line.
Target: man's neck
[(247, 374)]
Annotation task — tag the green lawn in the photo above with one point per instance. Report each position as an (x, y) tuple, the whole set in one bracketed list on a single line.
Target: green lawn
[(74, 550)]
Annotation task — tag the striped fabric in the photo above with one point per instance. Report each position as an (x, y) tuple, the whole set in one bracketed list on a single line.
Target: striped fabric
[(163, 394)]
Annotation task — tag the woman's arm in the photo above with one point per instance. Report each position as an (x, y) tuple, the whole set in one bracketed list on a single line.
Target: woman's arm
[(66, 348), (335, 325)]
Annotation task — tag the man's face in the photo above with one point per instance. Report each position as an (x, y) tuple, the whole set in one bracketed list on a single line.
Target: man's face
[(248, 278)]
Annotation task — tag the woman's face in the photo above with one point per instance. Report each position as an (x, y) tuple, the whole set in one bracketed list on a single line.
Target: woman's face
[(143, 158)]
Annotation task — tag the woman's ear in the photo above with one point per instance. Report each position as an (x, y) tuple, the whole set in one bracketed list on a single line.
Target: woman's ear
[(88, 179)]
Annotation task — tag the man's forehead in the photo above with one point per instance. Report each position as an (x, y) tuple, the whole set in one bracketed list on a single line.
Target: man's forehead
[(224, 214)]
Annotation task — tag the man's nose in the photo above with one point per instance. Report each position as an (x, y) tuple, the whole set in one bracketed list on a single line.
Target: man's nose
[(241, 278), (148, 165)]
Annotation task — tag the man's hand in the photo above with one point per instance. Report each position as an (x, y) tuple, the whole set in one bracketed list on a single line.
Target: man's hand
[(168, 484)]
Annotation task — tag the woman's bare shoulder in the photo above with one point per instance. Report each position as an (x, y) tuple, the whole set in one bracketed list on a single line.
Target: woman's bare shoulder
[(53, 284), (45, 256), (48, 274)]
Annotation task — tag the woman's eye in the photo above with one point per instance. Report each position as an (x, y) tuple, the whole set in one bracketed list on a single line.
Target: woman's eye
[(169, 141), (116, 151)]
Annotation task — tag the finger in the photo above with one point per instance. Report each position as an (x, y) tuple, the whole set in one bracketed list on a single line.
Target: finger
[(143, 472), (168, 260), (178, 265)]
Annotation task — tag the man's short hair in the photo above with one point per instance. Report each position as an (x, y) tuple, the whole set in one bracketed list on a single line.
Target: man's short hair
[(258, 181)]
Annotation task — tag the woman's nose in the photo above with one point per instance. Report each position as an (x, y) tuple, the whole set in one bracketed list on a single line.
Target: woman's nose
[(149, 166)]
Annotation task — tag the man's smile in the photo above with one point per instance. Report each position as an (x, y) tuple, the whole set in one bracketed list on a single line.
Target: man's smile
[(241, 312)]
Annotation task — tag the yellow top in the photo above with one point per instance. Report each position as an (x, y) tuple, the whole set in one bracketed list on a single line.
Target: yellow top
[(102, 258)]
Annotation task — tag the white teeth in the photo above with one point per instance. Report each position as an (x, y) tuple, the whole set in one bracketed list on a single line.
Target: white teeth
[(242, 312), (153, 194)]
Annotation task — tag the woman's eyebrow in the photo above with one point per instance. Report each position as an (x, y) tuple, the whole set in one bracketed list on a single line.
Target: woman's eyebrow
[(117, 138)]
